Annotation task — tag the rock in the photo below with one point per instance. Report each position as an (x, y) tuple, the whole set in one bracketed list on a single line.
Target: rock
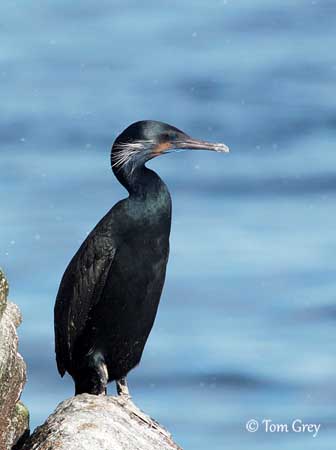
[(14, 417), (90, 422)]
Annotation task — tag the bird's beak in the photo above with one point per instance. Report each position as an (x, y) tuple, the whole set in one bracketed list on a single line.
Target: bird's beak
[(196, 144)]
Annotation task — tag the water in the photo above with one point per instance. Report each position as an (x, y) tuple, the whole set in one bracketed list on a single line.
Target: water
[(246, 326)]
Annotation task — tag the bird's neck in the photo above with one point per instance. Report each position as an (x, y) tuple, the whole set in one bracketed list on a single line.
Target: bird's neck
[(149, 200), (139, 181)]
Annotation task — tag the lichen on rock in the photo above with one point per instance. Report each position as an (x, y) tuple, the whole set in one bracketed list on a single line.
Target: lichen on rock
[(3, 292)]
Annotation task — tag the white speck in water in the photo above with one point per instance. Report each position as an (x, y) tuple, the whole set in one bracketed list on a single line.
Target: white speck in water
[(37, 237), (197, 167), (194, 34), (23, 139), (12, 242)]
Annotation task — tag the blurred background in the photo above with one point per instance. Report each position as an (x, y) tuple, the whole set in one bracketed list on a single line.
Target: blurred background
[(246, 326)]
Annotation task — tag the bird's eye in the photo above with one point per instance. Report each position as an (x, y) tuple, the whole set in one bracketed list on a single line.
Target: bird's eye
[(166, 137)]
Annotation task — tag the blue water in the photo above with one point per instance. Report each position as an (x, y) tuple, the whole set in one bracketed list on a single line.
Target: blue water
[(246, 326)]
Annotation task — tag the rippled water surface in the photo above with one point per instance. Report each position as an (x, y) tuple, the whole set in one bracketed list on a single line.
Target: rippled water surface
[(246, 326)]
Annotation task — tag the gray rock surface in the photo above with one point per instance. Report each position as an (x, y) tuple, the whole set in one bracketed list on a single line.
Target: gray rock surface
[(14, 417), (89, 422)]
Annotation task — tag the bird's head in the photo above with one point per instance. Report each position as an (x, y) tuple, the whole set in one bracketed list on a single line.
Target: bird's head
[(147, 139)]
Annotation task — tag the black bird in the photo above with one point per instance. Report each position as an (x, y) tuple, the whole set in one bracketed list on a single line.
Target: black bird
[(109, 294)]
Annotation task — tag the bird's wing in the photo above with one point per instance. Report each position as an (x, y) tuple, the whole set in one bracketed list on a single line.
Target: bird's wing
[(80, 289)]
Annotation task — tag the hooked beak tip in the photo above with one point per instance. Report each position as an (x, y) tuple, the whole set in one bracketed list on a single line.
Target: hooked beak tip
[(221, 148)]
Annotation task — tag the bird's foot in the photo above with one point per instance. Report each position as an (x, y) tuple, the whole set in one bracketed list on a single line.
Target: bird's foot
[(122, 388), (124, 398)]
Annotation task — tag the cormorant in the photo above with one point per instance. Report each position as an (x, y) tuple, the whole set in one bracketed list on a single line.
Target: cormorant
[(109, 294)]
